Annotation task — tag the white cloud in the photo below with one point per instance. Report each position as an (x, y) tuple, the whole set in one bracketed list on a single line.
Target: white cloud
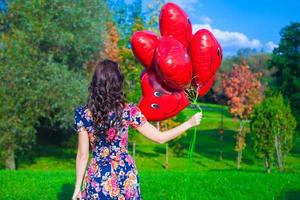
[(206, 20), (230, 39), (270, 46)]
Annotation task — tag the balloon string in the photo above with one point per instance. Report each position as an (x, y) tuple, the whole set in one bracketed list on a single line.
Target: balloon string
[(194, 138), (192, 148)]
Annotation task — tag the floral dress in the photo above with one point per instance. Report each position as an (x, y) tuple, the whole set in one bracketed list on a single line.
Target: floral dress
[(111, 173)]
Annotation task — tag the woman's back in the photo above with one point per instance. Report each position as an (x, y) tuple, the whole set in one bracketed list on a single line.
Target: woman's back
[(111, 172)]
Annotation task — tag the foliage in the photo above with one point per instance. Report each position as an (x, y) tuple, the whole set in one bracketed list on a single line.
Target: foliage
[(286, 58), (110, 48), (45, 44), (273, 124), (257, 61), (151, 156), (243, 90), (128, 18), (153, 12)]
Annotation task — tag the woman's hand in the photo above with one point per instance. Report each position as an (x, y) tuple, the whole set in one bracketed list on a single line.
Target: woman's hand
[(76, 194), (151, 132), (195, 119)]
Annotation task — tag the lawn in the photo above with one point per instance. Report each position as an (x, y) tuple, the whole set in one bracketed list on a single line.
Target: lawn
[(225, 184), (52, 174)]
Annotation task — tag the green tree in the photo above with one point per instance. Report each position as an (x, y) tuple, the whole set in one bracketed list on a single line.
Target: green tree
[(42, 53), (153, 11), (273, 126), (286, 59)]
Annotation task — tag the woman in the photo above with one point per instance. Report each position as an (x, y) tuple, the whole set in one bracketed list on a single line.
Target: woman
[(102, 124)]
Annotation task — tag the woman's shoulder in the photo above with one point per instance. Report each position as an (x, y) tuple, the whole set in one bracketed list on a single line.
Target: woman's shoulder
[(135, 115), (80, 109), (130, 106), (83, 111), (82, 117)]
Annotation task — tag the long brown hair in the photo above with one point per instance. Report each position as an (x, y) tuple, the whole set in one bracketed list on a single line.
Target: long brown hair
[(106, 94)]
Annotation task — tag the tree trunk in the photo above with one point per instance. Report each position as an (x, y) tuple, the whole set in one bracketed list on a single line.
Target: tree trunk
[(166, 164), (221, 132), (268, 164), (10, 160), (167, 156), (278, 152), (240, 144), (239, 159), (221, 147)]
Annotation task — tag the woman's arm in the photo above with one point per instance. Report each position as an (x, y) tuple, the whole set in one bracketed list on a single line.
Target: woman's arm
[(81, 158), (149, 131)]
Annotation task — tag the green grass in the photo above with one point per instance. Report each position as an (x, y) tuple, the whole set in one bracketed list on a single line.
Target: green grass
[(52, 174), (41, 184)]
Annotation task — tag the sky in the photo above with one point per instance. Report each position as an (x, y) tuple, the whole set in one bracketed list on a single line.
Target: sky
[(241, 23)]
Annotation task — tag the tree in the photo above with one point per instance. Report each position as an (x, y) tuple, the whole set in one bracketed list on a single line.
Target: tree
[(258, 61), (243, 90), (273, 126), (153, 12), (126, 16), (42, 53), (286, 59), (131, 20), (110, 48)]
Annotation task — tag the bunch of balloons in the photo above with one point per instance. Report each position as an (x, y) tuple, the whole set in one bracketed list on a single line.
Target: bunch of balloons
[(173, 62)]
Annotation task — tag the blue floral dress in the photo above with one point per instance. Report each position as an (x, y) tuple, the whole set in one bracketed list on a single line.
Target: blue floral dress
[(111, 173)]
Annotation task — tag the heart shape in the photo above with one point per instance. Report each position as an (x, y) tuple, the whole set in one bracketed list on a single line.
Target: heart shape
[(173, 63), (202, 89), (174, 22), (206, 55), (143, 44), (158, 101)]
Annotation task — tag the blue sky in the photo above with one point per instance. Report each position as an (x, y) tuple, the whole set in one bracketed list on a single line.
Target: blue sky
[(240, 23)]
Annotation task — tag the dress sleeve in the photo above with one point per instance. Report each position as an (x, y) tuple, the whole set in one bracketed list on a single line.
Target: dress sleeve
[(137, 117), (81, 119)]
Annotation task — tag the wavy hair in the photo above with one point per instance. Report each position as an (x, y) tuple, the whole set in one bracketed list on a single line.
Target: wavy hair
[(106, 95)]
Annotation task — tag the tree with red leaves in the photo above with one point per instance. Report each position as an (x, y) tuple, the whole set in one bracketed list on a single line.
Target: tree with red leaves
[(244, 90)]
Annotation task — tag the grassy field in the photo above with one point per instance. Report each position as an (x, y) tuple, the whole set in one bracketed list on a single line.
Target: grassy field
[(165, 185), (52, 175)]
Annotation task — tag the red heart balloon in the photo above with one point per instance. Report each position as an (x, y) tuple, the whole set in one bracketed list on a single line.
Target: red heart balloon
[(203, 88), (158, 101), (173, 64), (143, 45), (174, 22), (206, 54)]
